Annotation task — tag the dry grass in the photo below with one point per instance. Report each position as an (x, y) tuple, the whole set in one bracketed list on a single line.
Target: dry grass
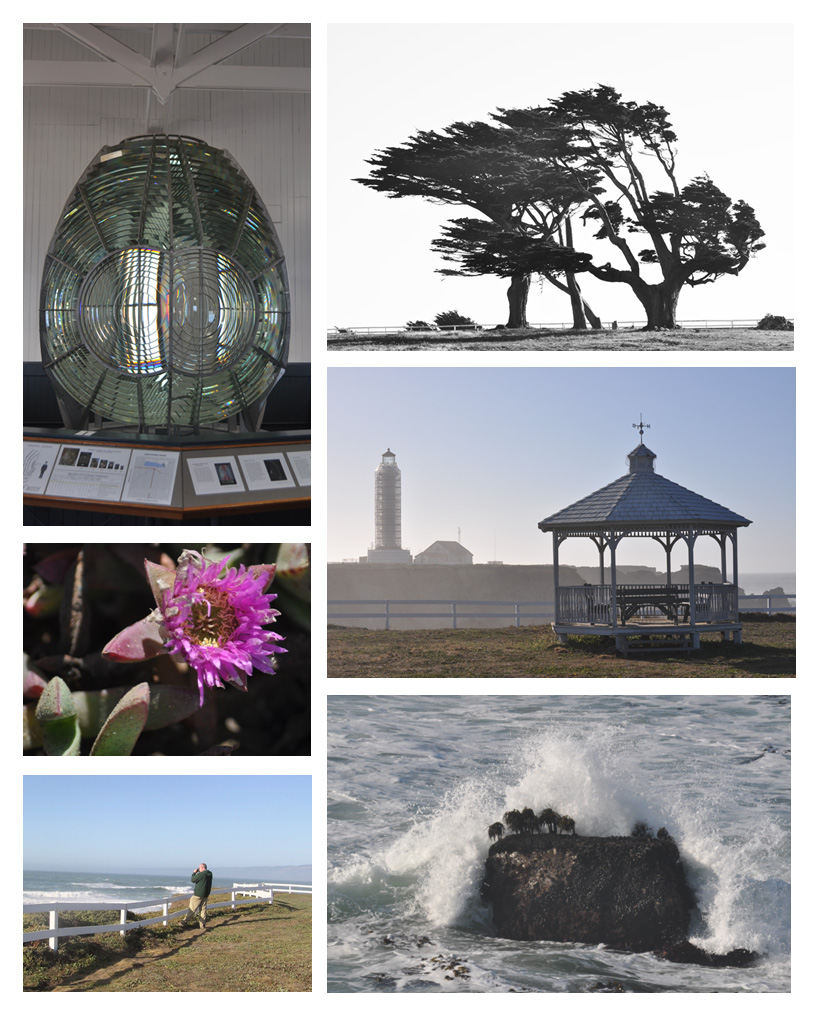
[(254, 948), (767, 650), (709, 339)]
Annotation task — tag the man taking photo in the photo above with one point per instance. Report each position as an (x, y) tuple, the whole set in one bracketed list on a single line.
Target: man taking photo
[(202, 881)]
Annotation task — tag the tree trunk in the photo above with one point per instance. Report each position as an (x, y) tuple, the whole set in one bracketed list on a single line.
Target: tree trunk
[(582, 310), (593, 320), (659, 302), (576, 298), (517, 295)]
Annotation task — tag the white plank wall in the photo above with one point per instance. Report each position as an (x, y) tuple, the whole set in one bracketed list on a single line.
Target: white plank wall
[(267, 133)]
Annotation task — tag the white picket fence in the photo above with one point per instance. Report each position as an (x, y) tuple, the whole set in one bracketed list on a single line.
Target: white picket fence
[(255, 890)]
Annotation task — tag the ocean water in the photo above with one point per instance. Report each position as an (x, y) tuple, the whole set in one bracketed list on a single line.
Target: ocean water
[(96, 887), (756, 583), (413, 783)]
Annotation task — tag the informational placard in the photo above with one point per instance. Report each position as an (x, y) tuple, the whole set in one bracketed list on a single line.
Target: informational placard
[(266, 471), (91, 472), (301, 464), (216, 475), (151, 477), (38, 461)]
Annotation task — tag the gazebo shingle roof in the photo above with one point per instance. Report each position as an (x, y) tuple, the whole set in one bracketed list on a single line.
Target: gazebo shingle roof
[(642, 497)]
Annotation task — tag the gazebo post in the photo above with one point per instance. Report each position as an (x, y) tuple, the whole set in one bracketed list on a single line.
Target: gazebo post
[(612, 542), (555, 562), (737, 633), (691, 540)]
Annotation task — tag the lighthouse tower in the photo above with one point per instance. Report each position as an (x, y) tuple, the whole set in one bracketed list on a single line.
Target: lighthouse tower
[(387, 548)]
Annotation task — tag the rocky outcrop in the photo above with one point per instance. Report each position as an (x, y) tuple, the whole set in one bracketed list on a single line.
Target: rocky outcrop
[(626, 892), (687, 952)]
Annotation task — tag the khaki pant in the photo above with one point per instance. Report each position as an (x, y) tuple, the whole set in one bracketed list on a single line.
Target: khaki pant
[(198, 908)]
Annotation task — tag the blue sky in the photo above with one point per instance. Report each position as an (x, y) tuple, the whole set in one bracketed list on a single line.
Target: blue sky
[(129, 823), (386, 81), (494, 451)]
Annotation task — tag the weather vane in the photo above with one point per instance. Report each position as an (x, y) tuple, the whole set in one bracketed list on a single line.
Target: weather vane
[(641, 426)]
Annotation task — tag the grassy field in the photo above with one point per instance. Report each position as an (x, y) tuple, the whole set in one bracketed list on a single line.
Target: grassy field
[(254, 948), (767, 650), (708, 339)]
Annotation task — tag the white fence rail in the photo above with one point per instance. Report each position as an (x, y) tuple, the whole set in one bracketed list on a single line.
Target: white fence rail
[(351, 330), (256, 890), (280, 887), (520, 612)]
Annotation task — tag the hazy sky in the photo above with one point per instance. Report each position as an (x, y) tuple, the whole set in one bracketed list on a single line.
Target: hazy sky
[(728, 88), (129, 823), (494, 451)]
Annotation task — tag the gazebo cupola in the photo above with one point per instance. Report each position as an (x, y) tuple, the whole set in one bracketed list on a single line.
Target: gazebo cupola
[(669, 615)]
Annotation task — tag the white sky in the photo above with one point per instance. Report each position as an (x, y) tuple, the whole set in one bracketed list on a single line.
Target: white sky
[(728, 88), (494, 451)]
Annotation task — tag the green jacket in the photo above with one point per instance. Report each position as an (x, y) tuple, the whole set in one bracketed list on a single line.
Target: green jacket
[(202, 880)]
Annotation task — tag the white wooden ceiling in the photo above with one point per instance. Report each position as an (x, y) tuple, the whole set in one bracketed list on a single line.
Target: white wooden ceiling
[(172, 62), (161, 58)]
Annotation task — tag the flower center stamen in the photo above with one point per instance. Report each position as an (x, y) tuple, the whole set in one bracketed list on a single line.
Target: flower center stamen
[(212, 621)]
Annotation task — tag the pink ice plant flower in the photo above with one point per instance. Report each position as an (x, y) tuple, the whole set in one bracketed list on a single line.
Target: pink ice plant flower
[(210, 615)]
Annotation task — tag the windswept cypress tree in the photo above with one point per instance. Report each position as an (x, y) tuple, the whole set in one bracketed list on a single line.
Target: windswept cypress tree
[(694, 233), (475, 164)]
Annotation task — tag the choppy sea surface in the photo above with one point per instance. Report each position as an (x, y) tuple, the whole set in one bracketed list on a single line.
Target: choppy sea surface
[(95, 887), (414, 781)]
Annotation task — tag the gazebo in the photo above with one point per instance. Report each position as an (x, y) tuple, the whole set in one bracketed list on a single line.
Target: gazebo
[(654, 616)]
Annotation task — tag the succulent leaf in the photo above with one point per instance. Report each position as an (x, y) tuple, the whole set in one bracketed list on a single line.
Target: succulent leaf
[(292, 560), (56, 713), (33, 683), (122, 728), (141, 641), (55, 702), (61, 737), (168, 704)]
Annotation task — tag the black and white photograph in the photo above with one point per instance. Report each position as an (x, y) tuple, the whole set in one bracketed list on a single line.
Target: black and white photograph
[(560, 186), (275, 469)]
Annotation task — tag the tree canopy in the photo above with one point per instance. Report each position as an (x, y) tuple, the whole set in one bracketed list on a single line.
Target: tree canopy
[(480, 247)]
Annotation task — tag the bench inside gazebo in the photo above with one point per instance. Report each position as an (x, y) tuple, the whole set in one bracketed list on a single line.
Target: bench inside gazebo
[(647, 617)]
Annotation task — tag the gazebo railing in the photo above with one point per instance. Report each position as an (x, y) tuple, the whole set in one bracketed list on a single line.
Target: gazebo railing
[(716, 602), (592, 604), (584, 604)]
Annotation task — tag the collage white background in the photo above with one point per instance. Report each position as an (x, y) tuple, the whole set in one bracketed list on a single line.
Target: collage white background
[(320, 15)]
